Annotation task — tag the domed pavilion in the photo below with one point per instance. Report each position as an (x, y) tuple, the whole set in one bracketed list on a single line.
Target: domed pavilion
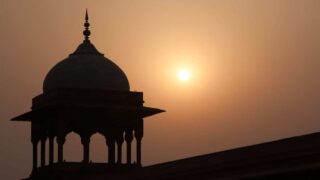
[(86, 93)]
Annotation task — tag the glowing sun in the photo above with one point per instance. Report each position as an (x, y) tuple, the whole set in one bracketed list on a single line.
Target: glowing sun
[(184, 74)]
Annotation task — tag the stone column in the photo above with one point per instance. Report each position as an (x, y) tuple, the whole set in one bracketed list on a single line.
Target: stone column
[(119, 140), (35, 154), (43, 150), (139, 152), (51, 150), (129, 138), (60, 141), (85, 140), (35, 138), (111, 149), (138, 133)]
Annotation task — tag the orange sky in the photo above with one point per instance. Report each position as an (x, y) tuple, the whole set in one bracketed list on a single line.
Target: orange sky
[(255, 68)]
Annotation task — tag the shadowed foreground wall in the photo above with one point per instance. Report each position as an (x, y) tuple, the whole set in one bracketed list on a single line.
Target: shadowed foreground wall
[(292, 158)]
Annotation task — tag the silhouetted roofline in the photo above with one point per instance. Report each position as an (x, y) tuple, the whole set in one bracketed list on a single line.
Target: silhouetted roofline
[(294, 154)]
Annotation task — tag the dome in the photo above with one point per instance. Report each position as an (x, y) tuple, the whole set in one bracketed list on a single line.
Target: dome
[(86, 68)]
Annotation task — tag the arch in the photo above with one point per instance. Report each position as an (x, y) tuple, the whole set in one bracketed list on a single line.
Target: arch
[(98, 148), (73, 149)]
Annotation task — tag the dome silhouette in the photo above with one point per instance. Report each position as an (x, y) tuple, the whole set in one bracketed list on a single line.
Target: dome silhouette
[(86, 68)]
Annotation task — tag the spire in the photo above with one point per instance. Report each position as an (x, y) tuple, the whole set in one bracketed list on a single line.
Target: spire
[(86, 31)]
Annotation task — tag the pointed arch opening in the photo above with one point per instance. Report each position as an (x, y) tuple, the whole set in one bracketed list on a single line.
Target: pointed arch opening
[(98, 148), (73, 148)]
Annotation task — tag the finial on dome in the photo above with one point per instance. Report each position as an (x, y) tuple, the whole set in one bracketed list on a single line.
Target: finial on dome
[(86, 32)]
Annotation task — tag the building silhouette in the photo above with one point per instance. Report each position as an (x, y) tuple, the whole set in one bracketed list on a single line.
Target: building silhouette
[(87, 93)]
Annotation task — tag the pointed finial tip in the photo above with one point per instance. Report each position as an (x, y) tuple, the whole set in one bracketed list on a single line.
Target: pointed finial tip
[(87, 17), (86, 32)]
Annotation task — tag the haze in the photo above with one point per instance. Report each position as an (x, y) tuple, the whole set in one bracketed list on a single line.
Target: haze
[(255, 70)]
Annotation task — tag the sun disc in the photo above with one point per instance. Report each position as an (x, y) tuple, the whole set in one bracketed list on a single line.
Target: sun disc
[(184, 74)]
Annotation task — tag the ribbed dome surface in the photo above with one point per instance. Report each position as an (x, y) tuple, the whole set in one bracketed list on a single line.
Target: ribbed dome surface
[(86, 68)]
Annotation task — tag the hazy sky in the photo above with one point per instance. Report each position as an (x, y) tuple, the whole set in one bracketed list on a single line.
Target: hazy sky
[(255, 70)]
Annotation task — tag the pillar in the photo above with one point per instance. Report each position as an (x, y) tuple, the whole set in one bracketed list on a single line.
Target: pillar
[(129, 138), (35, 154), (138, 133), (60, 141), (119, 141), (139, 152), (35, 138), (111, 149), (51, 150), (43, 151), (85, 140)]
